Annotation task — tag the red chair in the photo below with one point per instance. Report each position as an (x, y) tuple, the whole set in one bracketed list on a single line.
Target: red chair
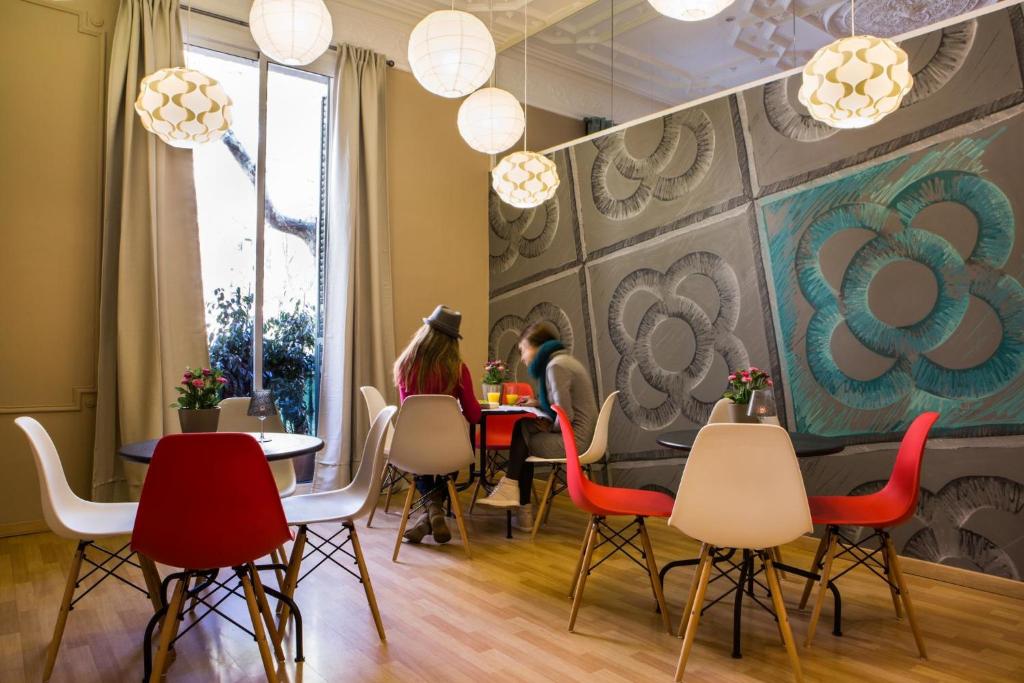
[(499, 435), (230, 516), (880, 511), (602, 502)]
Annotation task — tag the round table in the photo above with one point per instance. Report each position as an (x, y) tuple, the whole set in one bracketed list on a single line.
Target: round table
[(280, 447), (805, 445)]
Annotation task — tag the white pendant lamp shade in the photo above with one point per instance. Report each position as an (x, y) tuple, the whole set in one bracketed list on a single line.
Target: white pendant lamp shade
[(491, 120), (525, 179), (451, 53), (690, 10), (855, 82), (184, 107), (293, 32)]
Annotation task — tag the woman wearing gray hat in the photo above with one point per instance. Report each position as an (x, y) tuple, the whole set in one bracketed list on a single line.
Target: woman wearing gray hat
[(432, 364)]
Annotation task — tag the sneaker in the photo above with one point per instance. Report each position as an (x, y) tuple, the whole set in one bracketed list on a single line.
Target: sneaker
[(524, 517), (418, 530), (504, 495)]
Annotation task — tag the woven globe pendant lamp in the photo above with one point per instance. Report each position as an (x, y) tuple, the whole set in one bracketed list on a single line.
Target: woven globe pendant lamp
[(451, 53)]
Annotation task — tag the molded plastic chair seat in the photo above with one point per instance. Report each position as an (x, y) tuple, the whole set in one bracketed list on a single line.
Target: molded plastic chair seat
[(873, 510), (100, 520), (611, 502), (234, 418)]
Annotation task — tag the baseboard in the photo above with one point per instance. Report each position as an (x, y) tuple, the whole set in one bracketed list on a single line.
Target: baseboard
[(940, 572), (22, 528)]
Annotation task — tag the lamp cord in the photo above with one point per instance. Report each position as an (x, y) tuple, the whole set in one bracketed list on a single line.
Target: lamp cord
[(526, 71), (853, 18)]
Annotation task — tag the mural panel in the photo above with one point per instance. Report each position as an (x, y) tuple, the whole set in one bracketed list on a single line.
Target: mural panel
[(656, 173), (898, 290), (559, 301), (963, 68), (527, 242), (670, 318)]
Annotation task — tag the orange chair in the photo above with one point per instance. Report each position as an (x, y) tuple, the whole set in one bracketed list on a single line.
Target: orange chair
[(892, 506), (602, 502)]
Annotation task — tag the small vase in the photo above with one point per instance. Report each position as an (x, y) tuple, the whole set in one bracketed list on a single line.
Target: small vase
[(201, 420), (738, 413)]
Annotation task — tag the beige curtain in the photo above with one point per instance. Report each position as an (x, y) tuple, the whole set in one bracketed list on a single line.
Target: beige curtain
[(359, 345), (151, 299)]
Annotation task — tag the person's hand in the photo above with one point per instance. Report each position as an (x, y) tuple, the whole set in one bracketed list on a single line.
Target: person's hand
[(527, 402)]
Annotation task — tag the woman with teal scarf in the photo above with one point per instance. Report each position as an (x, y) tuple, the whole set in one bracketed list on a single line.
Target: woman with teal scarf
[(563, 381)]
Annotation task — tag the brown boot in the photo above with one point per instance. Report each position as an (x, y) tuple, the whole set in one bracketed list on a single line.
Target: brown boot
[(438, 524), (419, 529)]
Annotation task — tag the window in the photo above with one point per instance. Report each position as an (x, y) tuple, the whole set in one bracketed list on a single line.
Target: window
[(267, 271)]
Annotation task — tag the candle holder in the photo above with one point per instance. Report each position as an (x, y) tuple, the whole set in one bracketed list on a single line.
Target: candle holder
[(262, 406), (762, 405)]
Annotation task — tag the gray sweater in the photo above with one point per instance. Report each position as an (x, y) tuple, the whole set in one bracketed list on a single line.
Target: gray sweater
[(570, 388)]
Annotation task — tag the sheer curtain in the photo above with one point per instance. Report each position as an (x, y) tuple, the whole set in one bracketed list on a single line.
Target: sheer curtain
[(359, 345), (151, 299)]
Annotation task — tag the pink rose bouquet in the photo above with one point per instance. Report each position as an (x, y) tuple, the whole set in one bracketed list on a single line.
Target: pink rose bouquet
[(200, 388), (744, 382)]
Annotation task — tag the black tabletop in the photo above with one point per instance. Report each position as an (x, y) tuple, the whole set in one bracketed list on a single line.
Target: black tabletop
[(805, 445), (280, 447)]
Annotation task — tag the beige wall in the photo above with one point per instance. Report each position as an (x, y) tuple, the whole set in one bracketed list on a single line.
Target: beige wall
[(51, 137)]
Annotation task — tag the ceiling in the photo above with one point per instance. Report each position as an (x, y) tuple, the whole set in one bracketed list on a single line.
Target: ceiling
[(658, 62)]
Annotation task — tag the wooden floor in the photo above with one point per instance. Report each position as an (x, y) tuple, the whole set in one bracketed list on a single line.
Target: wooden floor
[(502, 617)]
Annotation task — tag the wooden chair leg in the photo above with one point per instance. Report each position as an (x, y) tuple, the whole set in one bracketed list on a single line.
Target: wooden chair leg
[(476, 492), (652, 570), (453, 498), (152, 578), (818, 554), (780, 613), (581, 580), (894, 567), (893, 589), (544, 502), (403, 523), (364, 576), (291, 579), (168, 630), (693, 619), (65, 608), (267, 614), (391, 474), (776, 555), (257, 628), (279, 556), (704, 558), (579, 560), (819, 600)]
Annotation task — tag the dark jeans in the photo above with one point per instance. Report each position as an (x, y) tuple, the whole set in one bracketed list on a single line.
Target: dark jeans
[(425, 483), (530, 437)]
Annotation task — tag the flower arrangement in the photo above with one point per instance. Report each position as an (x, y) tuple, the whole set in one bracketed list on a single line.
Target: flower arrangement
[(200, 389), (496, 372), (742, 383)]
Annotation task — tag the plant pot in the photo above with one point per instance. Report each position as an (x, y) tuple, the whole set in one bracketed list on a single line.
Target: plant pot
[(738, 413), (202, 420)]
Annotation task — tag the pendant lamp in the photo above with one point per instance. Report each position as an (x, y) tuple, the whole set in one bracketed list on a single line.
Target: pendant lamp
[(451, 53), (293, 32), (690, 10), (491, 120)]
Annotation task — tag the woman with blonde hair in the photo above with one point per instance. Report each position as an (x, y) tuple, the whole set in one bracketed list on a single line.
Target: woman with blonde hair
[(432, 364)]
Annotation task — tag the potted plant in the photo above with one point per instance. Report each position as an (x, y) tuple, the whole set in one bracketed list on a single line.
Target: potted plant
[(198, 399), (742, 383), (495, 374)]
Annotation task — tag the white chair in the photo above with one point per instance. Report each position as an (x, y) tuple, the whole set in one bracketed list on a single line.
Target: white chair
[(345, 506), (73, 518), (431, 438), (234, 418), (721, 412), (556, 479), (392, 479), (741, 488)]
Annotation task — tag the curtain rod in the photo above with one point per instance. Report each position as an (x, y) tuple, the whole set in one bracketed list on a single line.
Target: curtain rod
[(239, 22)]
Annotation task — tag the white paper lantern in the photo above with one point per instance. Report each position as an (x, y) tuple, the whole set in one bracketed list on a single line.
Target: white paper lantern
[(491, 120), (451, 53), (291, 32), (690, 10), (856, 81), (184, 107), (525, 179)]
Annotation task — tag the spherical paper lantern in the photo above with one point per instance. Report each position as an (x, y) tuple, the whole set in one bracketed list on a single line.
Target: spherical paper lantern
[(690, 10), (855, 82), (291, 32), (451, 53), (491, 120), (184, 107), (525, 179)]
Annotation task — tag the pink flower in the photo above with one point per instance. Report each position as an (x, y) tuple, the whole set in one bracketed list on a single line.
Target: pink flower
[(746, 379), (769, 382), (222, 380), (207, 372), (197, 383), (185, 381), (732, 377), (753, 369), (187, 375)]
